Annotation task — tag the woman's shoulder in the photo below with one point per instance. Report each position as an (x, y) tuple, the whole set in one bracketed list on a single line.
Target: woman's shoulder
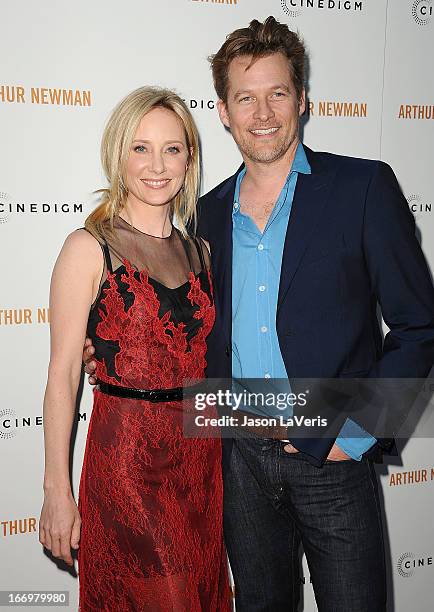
[(82, 238), (82, 244)]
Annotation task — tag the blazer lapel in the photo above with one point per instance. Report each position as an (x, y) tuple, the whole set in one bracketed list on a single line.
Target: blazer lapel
[(222, 252), (311, 194)]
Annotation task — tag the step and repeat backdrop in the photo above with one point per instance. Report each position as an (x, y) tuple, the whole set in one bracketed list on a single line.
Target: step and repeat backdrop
[(64, 66)]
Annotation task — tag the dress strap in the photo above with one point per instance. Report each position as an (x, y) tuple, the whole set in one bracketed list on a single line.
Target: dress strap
[(187, 249), (200, 253), (108, 259)]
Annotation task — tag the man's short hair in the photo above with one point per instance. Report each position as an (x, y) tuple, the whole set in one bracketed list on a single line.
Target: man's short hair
[(259, 40)]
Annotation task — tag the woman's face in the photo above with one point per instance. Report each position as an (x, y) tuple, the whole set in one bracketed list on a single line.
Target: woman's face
[(158, 158)]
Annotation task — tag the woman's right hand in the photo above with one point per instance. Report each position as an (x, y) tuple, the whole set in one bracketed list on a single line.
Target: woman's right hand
[(59, 525)]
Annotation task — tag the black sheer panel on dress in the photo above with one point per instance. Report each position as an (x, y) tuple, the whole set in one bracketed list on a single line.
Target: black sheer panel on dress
[(166, 260)]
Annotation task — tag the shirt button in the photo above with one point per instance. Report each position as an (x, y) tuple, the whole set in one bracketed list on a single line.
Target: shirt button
[(267, 375), (264, 329), (261, 287), (260, 247)]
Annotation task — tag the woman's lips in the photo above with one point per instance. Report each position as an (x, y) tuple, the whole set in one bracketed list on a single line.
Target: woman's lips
[(156, 183)]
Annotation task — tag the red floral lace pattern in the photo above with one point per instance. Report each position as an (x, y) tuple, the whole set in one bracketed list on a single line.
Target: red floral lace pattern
[(153, 350), (150, 499)]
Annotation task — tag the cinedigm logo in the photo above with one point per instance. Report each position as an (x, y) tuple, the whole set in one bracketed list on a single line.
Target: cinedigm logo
[(7, 424), (404, 565), (418, 205), (294, 8), (291, 12), (422, 11), (4, 217), (407, 564)]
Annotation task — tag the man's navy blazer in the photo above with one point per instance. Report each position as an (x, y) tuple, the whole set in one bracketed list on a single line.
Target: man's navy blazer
[(350, 245)]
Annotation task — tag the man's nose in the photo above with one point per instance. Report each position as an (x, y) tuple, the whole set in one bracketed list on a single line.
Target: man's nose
[(263, 110)]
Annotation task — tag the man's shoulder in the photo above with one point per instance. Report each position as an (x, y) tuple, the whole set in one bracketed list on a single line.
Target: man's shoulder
[(349, 170), (345, 163)]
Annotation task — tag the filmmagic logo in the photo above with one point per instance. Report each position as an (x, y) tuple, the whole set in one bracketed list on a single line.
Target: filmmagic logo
[(417, 205), (8, 207), (407, 564), (294, 8), (422, 11), (10, 422)]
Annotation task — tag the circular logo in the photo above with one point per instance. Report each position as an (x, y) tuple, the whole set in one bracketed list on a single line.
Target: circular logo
[(289, 11), (402, 570), (412, 200), (4, 217), (7, 424), (422, 11)]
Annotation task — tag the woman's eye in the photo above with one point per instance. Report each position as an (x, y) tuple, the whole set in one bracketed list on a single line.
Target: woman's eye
[(139, 149), (173, 149)]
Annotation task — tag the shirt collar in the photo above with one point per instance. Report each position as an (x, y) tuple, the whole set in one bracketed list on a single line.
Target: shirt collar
[(299, 165)]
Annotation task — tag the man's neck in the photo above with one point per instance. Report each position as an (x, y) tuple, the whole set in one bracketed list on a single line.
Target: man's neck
[(262, 176), (261, 187)]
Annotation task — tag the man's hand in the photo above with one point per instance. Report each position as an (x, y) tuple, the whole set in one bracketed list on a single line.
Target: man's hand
[(336, 454), (89, 364)]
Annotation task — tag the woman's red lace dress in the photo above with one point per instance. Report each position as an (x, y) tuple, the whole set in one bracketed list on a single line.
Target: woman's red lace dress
[(150, 499)]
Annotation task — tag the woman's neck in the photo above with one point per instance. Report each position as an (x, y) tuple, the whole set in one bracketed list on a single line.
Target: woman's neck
[(153, 220)]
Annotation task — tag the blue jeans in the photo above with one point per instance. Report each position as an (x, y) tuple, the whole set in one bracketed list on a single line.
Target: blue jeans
[(274, 502)]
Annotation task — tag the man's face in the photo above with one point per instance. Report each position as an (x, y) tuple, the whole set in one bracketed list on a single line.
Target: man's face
[(262, 109)]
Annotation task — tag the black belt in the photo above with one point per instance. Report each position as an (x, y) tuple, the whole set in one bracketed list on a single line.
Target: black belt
[(176, 394)]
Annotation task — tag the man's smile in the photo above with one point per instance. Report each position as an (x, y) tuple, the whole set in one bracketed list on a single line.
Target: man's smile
[(264, 131)]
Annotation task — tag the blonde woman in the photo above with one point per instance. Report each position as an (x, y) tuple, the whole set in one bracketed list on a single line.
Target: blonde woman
[(148, 526)]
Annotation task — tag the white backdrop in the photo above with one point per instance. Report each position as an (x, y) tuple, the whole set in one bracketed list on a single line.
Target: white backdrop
[(64, 66)]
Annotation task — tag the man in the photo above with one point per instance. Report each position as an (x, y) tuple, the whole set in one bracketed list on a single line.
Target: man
[(304, 245)]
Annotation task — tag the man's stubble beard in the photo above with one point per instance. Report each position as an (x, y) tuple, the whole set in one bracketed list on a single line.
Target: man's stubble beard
[(269, 155)]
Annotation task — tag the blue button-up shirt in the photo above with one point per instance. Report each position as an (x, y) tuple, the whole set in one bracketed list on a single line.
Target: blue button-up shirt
[(257, 261)]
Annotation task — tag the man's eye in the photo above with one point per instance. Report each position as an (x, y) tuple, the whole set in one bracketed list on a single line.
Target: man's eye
[(139, 149), (278, 94), (246, 99)]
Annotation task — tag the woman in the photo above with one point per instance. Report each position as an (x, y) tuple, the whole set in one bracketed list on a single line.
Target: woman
[(149, 520)]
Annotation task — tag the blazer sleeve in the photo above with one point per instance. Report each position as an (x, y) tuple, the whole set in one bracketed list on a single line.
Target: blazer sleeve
[(401, 282)]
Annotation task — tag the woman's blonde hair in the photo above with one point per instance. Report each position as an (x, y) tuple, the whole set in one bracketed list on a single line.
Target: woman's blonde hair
[(115, 149)]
